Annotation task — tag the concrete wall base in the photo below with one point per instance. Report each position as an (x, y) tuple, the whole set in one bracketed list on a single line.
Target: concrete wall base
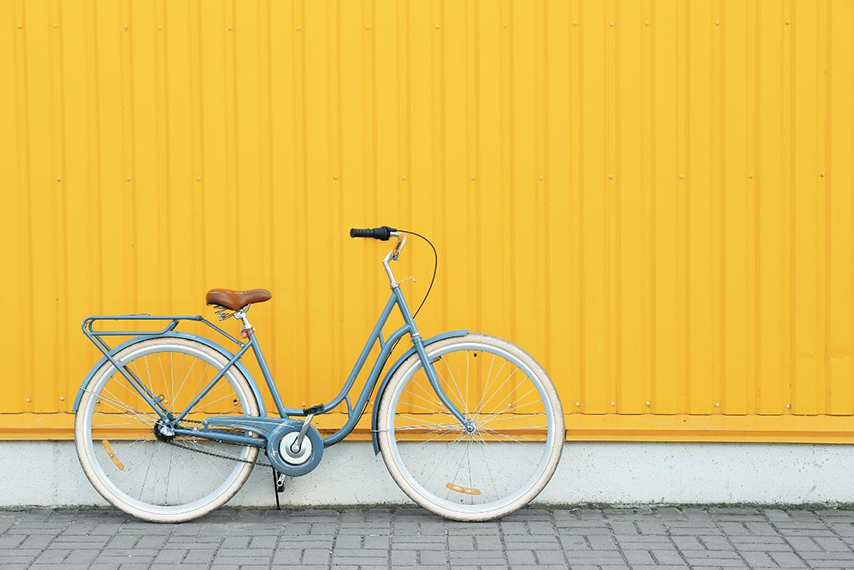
[(47, 473)]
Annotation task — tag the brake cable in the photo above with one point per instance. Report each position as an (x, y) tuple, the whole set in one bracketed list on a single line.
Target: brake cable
[(435, 268)]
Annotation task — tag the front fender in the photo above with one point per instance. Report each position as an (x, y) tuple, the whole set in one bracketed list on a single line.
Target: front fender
[(390, 373), (174, 334)]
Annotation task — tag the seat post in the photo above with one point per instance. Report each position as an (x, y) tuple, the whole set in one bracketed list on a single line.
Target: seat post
[(247, 330)]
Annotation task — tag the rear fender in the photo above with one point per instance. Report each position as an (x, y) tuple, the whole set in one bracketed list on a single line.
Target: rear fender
[(390, 373), (173, 334)]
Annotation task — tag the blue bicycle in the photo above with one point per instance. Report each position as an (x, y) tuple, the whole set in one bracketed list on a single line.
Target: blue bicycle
[(169, 424)]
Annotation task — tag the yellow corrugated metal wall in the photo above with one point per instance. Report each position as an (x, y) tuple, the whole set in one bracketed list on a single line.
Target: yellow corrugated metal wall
[(654, 197)]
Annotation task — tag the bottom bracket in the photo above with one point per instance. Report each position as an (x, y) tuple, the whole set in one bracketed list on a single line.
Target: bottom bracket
[(288, 460)]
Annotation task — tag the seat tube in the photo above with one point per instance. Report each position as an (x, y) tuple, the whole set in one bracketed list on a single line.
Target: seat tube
[(268, 376), (432, 376)]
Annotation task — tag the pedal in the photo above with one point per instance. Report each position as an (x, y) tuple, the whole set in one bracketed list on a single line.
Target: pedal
[(312, 410)]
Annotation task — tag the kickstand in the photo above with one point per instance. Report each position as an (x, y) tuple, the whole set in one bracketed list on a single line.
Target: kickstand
[(278, 486)]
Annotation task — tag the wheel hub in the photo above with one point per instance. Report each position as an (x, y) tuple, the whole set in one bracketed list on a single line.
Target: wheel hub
[(470, 426), (163, 432)]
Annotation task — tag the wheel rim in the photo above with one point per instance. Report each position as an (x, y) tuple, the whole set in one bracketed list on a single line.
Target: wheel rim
[(506, 457), (149, 475)]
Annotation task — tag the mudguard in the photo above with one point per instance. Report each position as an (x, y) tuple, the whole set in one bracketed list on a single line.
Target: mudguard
[(173, 334), (393, 369)]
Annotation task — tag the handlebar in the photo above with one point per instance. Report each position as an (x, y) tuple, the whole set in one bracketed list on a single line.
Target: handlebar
[(381, 233), (384, 233)]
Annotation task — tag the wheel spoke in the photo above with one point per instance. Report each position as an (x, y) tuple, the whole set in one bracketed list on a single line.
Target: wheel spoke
[(486, 462), (498, 390), (184, 380), (504, 437), (122, 407), (457, 472), (450, 427), (424, 422), (488, 382), (436, 403), (446, 383), (428, 410), (447, 450), (498, 405)]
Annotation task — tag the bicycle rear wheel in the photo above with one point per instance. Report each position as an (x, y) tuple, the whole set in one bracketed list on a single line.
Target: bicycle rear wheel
[(163, 479), (514, 449)]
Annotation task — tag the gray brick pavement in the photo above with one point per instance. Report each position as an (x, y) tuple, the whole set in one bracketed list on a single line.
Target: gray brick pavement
[(581, 539)]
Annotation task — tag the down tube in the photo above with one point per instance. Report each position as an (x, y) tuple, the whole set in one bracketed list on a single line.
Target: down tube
[(366, 351), (370, 383)]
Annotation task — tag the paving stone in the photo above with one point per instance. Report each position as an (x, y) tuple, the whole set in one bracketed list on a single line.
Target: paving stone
[(433, 557), (832, 544), (667, 557), (726, 542), (758, 560), (287, 557), (51, 557), (488, 543), (634, 557), (79, 557), (404, 558), (39, 541), (521, 557), (477, 558), (787, 560)]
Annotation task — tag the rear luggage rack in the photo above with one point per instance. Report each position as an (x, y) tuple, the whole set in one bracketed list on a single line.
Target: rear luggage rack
[(95, 335)]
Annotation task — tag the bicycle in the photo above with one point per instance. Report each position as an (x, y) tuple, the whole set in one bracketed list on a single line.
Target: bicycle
[(469, 426)]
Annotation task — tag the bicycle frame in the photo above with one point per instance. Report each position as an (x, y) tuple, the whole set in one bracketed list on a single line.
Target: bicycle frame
[(354, 412)]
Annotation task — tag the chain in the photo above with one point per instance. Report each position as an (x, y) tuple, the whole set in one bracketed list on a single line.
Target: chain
[(219, 455), (214, 454)]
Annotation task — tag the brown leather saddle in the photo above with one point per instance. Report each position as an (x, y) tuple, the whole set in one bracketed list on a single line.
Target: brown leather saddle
[(236, 300)]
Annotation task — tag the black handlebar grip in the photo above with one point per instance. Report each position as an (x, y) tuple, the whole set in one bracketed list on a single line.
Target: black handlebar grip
[(380, 233)]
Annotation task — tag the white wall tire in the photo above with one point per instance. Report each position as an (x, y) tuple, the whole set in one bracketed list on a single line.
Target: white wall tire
[(552, 447), (114, 495)]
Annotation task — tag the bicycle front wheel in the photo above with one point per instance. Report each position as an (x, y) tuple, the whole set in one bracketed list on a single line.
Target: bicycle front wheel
[(500, 466), (149, 476)]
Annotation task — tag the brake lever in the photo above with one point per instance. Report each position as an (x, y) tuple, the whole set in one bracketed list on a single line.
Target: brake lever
[(401, 242)]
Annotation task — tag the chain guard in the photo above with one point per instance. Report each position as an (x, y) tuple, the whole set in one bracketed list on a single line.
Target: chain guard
[(274, 431)]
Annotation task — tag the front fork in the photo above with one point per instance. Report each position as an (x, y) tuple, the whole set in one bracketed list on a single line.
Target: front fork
[(432, 376)]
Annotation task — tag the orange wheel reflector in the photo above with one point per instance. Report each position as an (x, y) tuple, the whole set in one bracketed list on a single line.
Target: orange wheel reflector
[(115, 459), (464, 490)]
